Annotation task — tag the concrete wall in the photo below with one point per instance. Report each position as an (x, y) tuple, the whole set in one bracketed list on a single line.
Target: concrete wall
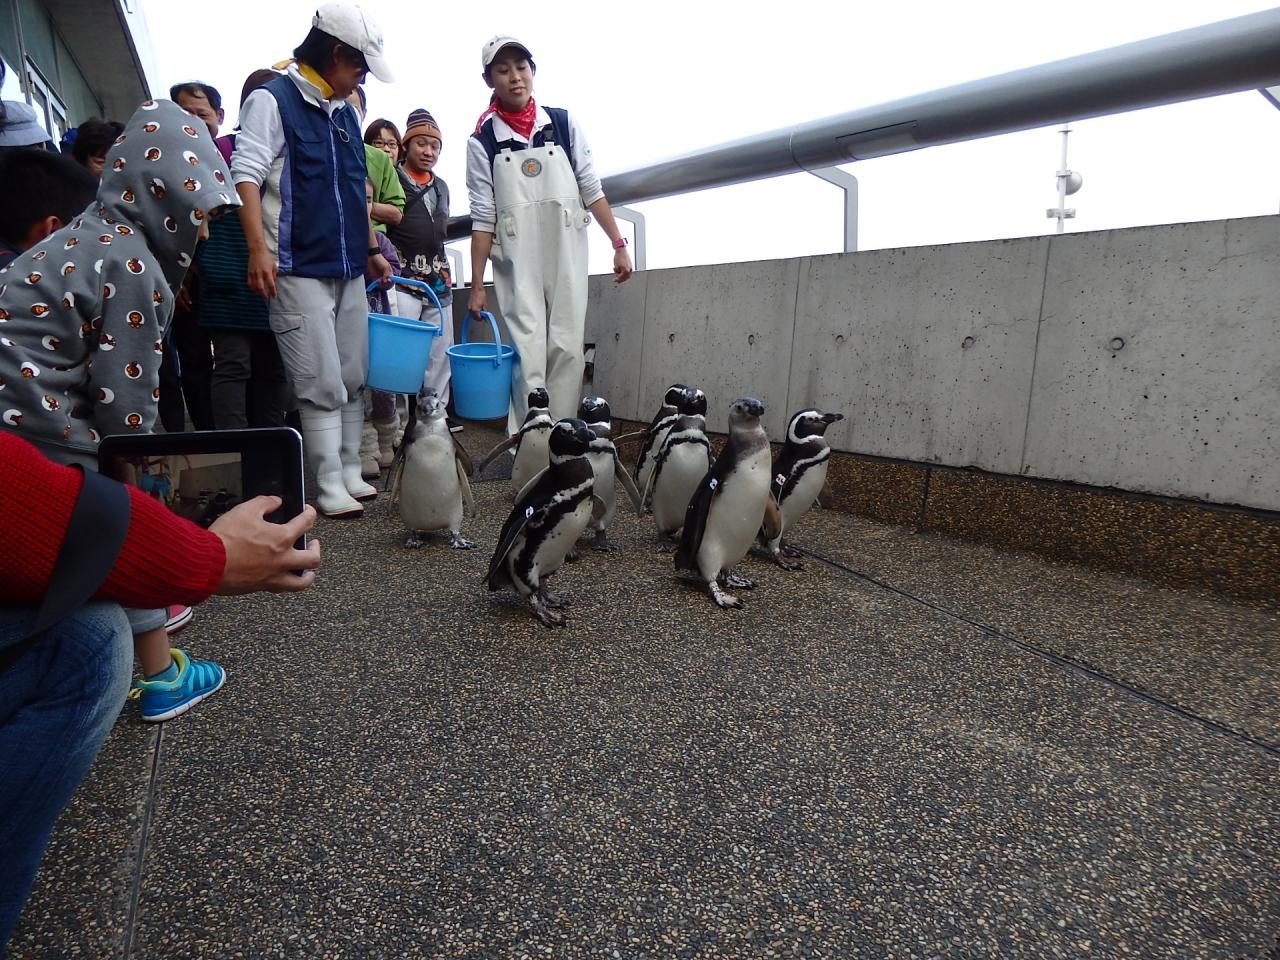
[(1145, 359)]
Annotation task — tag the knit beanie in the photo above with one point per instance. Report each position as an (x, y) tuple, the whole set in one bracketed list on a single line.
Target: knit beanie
[(421, 124)]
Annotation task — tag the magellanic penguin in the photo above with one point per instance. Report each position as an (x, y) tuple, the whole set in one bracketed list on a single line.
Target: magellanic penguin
[(729, 505), (657, 432), (431, 477), (530, 442), (799, 471), (609, 472), (546, 521), (681, 463)]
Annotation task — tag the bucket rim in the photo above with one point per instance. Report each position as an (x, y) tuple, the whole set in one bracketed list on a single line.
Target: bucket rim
[(405, 323)]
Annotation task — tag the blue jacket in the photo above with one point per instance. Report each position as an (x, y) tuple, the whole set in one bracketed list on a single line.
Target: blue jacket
[(324, 222)]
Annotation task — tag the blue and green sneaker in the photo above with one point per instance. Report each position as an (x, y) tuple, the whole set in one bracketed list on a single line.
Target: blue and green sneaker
[(178, 689)]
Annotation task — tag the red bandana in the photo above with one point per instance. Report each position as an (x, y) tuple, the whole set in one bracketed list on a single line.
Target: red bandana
[(522, 122)]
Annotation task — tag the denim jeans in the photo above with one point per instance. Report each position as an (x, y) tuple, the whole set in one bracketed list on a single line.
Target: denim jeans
[(57, 704)]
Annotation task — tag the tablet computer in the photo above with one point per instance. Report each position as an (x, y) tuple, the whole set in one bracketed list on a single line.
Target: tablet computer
[(202, 475)]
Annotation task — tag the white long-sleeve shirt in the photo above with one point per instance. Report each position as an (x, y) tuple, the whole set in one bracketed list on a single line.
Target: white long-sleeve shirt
[(484, 213)]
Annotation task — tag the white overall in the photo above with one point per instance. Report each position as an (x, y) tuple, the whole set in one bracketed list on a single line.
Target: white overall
[(540, 274)]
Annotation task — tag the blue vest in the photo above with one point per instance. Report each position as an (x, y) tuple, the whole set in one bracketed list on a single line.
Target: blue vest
[(557, 131), (324, 222)]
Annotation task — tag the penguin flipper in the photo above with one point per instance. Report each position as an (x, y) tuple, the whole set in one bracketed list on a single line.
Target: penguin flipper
[(695, 522), (629, 485), (524, 491), (772, 525), (489, 457), (395, 472), (468, 501), (461, 455), (531, 507)]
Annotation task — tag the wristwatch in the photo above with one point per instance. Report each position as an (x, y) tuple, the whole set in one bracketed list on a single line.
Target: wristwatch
[(374, 251), (619, 243)]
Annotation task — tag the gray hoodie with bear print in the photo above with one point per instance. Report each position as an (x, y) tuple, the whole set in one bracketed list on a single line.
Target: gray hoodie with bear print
[(84, 312)]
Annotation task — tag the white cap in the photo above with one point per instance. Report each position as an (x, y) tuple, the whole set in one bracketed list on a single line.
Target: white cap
[(494, 44), (356, 29)]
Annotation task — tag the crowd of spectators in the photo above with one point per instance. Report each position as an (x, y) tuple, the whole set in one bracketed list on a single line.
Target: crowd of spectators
[(127, 298)]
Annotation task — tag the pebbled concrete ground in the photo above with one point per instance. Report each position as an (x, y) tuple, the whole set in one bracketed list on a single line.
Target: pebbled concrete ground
[(405, 765)]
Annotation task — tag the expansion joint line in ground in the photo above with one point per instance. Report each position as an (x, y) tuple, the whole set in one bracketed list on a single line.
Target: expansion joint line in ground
[(140, 855), (1061, 660)]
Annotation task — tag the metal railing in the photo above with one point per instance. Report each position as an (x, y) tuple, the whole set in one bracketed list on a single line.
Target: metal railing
[(1219, 58)]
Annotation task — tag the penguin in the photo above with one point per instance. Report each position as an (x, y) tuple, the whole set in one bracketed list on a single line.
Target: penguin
[(728, 506), (530, 442), (681, 463), (431, 477), (657, 432), (546, 521), (603, 456), (799, 471)]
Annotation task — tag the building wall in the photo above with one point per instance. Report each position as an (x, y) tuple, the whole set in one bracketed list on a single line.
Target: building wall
[(27, 31), (1144, 359)]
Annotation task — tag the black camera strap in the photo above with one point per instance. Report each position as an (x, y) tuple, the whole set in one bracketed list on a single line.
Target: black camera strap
[(94, 538)]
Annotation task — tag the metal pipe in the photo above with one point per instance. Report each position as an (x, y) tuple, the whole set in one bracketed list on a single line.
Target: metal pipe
[(1226, 57)]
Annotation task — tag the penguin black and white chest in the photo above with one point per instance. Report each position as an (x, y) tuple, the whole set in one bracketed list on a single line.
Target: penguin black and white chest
[(658, 427), (799, 471), (681, 463), (431, 483), (546, 521), (603, 456), (529, 442), (729, 504)]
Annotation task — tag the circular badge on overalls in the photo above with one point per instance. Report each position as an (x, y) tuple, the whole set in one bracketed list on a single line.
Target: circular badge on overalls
[(531, 167)]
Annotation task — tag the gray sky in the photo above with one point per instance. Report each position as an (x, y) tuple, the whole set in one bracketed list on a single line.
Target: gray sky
[(654, 80)]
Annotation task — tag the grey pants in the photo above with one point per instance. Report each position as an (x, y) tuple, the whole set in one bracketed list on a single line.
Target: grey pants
[(322, 330)]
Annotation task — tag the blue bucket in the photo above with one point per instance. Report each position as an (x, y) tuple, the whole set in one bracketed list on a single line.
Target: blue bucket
[(399, 348), (481, 374)]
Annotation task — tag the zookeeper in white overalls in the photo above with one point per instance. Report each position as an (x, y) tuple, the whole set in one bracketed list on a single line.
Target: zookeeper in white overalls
[(532, 183)]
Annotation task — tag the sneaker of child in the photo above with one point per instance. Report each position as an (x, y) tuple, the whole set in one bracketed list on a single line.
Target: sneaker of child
[(179, 617), (174, 691)]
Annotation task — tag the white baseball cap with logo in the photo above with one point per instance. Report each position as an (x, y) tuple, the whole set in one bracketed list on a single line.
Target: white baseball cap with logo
[(495, 44), (356, 29)]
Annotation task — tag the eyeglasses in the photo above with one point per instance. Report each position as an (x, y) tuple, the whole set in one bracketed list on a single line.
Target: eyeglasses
[(386, 143)]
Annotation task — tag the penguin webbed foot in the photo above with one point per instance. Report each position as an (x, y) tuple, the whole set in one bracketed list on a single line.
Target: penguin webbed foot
[(571, 556), (779, 557), (413, 540), (601, 542), (790, 551), (458, 542), (551, 600), (546, 616), (722, 599), (667, 543), (737, 582)]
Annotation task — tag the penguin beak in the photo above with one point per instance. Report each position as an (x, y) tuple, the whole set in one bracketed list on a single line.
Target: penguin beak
[(830, 418), (754, 407)]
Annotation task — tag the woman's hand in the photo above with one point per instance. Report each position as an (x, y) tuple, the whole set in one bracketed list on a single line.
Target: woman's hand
[(478, 302), (622, 268)]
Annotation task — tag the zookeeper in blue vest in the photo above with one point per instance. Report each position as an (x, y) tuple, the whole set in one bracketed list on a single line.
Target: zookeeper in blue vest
[(299, 167), (531, 182)]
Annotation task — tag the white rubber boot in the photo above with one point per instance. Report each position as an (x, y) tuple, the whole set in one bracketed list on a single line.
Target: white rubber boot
[(352, 428), (386, 441), (322, 440)]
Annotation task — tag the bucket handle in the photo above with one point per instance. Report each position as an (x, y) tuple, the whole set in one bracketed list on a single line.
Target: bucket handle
[(409, 282), (493, 324)]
